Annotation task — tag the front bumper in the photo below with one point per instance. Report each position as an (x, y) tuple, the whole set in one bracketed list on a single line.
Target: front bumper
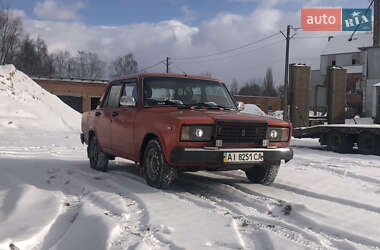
[(213, 155)]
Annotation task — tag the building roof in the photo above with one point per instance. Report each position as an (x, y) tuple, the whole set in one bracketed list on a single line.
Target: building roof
[(142, 75), (340, 44), (377, 84), (354, 69)]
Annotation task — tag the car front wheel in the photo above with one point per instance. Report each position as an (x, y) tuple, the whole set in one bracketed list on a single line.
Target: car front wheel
[(158, 173), (262, 174)]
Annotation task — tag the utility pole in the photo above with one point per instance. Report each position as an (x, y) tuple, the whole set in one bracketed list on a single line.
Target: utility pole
[(167, 64), (286, 80), (376, 24)]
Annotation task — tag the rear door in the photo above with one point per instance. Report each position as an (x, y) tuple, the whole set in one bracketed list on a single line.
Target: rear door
[(123, 124), (103, 116)]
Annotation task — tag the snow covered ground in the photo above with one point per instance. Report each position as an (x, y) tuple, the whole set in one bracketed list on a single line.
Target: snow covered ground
[(51, 199)]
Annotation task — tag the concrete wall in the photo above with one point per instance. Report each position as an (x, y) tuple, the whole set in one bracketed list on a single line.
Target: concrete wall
[(344, 59), (317, 79), (373, 63), (377, 110), (371, 73), (336, 95), (299, 87), (370, 99), (262, 101)]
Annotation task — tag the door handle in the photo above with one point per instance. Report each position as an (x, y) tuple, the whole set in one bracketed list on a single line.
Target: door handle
[(97, 113), (114, 114)]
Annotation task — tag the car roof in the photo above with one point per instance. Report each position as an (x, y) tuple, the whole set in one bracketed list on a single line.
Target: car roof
[(143, 75)]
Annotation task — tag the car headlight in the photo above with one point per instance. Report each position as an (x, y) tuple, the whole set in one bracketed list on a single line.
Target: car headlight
[(276, 134), (196, 133)]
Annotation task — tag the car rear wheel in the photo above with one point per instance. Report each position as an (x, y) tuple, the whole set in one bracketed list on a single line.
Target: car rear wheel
[(369, 144), (262, 174), (98, 159), (158, 173), (340, 143)]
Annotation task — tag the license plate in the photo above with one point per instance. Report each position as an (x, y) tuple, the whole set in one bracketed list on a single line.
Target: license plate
[(239, 157)]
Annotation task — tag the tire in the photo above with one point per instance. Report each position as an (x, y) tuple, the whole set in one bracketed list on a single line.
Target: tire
[(158, 173), (98, 159), (262, 174), (340, 143), (369, 144)]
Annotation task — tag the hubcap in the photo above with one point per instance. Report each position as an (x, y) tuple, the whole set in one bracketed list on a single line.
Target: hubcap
[(153, 164)]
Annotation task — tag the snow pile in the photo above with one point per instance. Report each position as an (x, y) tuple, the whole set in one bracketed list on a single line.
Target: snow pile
[(253, 109), (360, 120), (24, 105), (279, 114)]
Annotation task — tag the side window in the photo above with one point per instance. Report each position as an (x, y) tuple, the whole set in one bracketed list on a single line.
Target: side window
[(112, 100), (130, 90)]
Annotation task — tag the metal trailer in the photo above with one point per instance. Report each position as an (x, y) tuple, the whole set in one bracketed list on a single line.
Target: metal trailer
[(344, 138)]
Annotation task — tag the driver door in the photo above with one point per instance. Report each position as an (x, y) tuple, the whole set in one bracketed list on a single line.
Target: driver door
[(123, 124)]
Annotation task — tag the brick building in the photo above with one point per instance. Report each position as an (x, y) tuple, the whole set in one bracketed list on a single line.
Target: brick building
[(84, 95), (81, 95)]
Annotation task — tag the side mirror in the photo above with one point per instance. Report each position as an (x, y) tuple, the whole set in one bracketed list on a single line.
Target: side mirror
[(240, 106), (127, 101)]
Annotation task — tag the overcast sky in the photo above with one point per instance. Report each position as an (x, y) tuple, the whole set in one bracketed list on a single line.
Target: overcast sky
[(187, 31)]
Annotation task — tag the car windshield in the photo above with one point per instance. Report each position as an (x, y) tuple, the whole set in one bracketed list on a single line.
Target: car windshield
[(183, 92)]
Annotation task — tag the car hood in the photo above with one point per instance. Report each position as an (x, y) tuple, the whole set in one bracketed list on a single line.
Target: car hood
[(202, 116)]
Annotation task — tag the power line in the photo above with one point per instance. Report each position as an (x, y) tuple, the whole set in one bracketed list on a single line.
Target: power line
[(149, 67), (228, 50), (180, 69), (357, 27), (229, 56)]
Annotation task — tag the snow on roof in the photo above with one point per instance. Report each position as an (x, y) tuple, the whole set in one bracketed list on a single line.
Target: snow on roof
[(377, 84), (340, 44), (354, 69), (71, 80)]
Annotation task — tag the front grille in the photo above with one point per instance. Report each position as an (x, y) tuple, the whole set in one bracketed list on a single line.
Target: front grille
[(241, 131)]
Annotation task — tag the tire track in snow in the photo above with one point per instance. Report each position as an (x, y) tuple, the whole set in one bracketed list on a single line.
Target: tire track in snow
[(250, 224), (302, 192), (94, 189), (306, 236), (333, 234), (136, 231), (342, 171)]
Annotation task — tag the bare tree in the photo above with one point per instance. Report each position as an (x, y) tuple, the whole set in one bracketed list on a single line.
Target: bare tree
[(269, 89), (10, 31), (234, 87), (123, 65), (252, 88), (61, 64), (87, 65), (32, 58)]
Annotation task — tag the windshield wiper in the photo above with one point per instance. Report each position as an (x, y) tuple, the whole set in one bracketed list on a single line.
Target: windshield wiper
[(209, 105), (163, 102)]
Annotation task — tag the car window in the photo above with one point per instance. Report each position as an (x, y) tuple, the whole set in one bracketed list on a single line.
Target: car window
[(130, 89), (172, 91), (216, 94), (112, 100)]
